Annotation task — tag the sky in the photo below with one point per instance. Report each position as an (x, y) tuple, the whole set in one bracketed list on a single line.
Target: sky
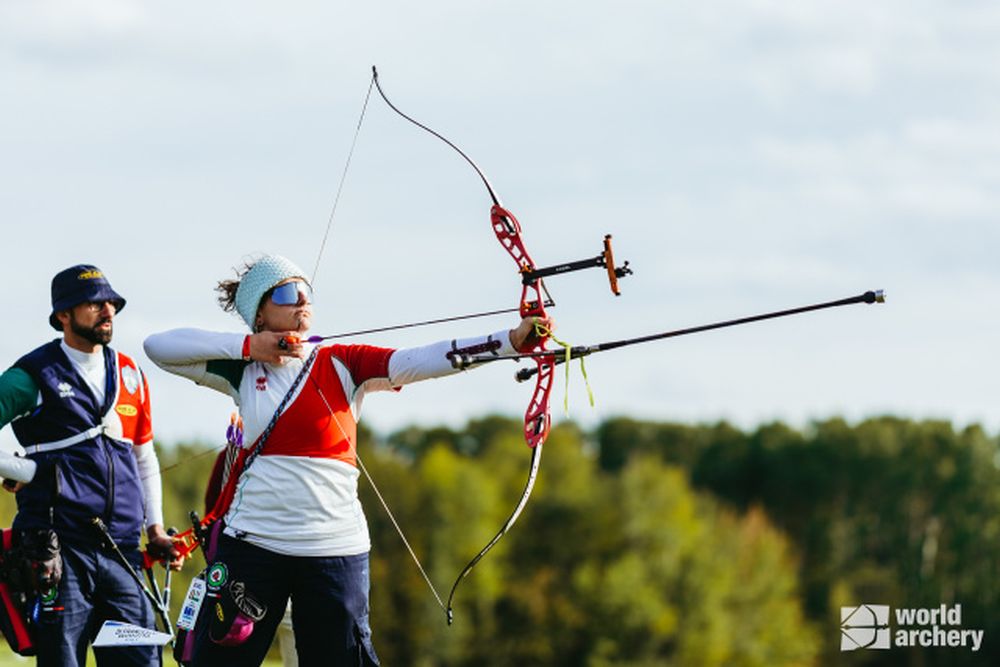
[(747, 156)]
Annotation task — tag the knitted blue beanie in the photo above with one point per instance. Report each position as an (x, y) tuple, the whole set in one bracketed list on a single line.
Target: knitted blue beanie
[(265, 273)]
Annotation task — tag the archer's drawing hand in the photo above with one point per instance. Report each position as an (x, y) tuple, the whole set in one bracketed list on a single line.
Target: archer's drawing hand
[(276, 347)]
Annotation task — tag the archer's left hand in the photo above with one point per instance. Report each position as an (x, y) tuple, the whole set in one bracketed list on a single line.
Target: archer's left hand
[(12, 485), (161, 545), (530, 332)]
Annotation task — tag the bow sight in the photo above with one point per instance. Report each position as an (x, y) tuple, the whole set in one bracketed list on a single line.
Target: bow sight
[(605, 260)]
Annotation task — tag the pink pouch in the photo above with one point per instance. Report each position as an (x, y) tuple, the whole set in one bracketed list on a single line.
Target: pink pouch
[(233, 614)]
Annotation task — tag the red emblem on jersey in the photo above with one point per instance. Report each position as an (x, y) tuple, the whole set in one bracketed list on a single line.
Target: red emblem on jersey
[(262, 383)]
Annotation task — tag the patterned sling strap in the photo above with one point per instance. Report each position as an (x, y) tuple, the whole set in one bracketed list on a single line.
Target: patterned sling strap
[(258, 446)]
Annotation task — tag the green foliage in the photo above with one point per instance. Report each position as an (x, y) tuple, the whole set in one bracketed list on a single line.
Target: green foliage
[(628, 566), (890, 511), (665, 544)]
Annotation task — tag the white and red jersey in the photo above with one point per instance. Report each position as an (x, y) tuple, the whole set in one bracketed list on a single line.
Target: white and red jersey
[(300, 495)]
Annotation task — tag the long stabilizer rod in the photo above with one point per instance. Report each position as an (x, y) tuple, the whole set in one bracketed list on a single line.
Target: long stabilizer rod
[(465, 361)]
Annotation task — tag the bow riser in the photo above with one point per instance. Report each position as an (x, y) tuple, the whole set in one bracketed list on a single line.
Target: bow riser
[(537, 420), (508, 231)]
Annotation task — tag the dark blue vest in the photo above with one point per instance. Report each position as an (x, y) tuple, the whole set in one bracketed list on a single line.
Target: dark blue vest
[(97, 477)]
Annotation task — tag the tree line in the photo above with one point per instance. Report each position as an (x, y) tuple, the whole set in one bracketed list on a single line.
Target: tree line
[(649, 543)]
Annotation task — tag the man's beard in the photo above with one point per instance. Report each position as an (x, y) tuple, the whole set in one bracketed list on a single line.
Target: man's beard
[(91, 334)]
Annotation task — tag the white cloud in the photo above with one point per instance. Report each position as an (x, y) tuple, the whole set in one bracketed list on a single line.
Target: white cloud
[(52, 20)]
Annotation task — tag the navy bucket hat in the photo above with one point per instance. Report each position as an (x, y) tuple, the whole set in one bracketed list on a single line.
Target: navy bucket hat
[(80, 284)]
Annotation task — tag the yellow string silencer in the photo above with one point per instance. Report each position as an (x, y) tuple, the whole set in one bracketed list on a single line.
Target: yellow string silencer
[(543, 331)]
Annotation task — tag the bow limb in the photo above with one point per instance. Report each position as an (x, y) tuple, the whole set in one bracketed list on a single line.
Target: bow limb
[(537, 420), (472, 163), (536, 459)]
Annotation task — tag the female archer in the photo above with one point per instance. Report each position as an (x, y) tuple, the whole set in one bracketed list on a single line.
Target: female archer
[(293, 523)]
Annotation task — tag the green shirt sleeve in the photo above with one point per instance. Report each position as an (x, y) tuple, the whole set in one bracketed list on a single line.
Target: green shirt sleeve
[(231, 370), (18, 395)]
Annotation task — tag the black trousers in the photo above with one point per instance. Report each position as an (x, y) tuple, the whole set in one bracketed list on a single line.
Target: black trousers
[(94, 588), (329, 607)]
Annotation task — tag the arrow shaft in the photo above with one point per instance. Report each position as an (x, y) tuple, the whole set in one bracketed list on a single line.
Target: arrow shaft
[(549, 303)]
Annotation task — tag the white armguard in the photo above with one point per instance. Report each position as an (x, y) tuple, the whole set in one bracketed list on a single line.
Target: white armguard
[(149, 477), (432, 361), (17, 468)]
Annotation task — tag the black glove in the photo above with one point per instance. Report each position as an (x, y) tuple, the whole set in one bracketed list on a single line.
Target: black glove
[(42, 559)]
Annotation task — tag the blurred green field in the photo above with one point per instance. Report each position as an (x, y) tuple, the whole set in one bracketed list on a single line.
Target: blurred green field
[(8, 658)]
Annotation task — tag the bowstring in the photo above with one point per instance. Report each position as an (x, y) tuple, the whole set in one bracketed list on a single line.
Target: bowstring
[(364, 470), (353, 447), (350, 442), (319, 256), (378, 494), (343, 178), (184, 461)]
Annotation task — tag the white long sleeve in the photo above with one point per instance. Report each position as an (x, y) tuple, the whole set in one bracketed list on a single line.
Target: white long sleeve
[(149, 476), (186, 352), (18, 468)]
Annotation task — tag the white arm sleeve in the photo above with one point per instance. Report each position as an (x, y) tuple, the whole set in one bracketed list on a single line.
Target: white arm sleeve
[(149, 477), (185, 352), (431, 361), (18, 468)]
